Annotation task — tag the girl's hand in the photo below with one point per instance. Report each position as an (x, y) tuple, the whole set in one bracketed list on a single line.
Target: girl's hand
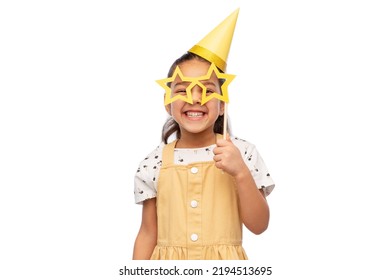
[(228, 158)]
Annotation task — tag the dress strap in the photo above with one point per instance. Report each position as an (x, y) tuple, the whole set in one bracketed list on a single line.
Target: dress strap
[(168, 153)]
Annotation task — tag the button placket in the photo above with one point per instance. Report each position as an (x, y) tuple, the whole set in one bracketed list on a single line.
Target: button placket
[(194, 217)]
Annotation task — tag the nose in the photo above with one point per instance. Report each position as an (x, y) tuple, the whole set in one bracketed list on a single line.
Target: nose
[(196, 94)]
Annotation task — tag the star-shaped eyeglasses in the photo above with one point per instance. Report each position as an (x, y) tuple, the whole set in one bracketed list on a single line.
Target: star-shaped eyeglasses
[(188, 83)]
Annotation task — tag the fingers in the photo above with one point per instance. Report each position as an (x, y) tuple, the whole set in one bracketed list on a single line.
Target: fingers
[(219, 162), (217, 158), (223, 142), (223, 145), (222, 153)]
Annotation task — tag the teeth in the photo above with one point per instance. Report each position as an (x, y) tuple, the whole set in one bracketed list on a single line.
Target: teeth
[(194, 114)]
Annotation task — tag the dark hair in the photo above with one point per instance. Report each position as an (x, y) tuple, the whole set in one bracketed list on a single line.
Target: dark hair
[(171, 126)]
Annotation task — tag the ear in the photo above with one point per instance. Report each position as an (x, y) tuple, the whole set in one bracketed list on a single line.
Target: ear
[(221, 108), (167, 107)]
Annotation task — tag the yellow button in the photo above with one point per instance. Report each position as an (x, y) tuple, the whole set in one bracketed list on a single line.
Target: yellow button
[(194, 170), (194, 204), (194, 237)]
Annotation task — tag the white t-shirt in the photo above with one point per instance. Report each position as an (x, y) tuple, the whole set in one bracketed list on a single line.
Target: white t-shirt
[(146, 177)]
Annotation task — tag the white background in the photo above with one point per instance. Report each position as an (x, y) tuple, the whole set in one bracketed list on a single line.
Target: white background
[(79, 109)]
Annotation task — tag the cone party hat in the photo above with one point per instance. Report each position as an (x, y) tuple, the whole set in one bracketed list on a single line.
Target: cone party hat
[(215, 46)]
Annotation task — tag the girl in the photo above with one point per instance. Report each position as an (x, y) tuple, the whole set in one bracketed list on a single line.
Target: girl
[(199, 189)]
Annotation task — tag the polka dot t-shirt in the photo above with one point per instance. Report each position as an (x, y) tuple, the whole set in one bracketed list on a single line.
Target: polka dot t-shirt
[(146, 177)]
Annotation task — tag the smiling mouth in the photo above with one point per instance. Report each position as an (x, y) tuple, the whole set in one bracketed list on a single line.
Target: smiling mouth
[(192, 114)]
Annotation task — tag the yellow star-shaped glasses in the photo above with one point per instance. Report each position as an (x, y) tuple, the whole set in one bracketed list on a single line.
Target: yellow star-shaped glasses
[(168, 91), (227, 78), (197, 81)]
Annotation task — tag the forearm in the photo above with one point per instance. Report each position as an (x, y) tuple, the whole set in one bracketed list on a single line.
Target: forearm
[(144, 245), (254, 209), (147, 236)]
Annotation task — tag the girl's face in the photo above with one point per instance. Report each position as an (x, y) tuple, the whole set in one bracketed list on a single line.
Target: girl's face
[(195, 118)]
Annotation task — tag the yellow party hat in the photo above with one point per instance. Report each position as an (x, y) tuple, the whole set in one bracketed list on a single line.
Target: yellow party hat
[(216, 45)]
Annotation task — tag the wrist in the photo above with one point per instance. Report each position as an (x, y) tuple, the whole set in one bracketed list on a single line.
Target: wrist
[(242, 174)]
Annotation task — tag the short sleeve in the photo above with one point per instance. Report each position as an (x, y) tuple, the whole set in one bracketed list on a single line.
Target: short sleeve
[(146, 176), (256, 165)]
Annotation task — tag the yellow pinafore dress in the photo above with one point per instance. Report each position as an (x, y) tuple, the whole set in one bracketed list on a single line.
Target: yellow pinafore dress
[(197, 212)]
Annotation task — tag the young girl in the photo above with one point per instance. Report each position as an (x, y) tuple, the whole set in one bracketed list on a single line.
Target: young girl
[(199, 189)]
